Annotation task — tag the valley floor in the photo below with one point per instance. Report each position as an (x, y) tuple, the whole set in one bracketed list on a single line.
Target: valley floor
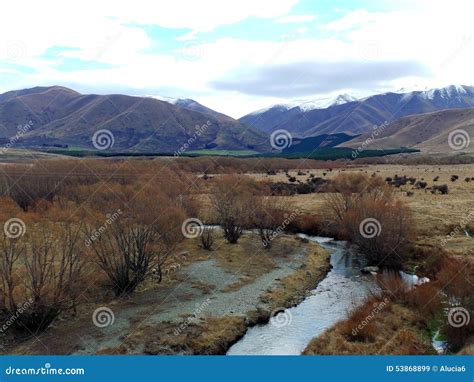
[(203, 306)]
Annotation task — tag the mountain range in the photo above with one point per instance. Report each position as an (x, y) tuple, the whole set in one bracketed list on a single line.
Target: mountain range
[(443, 131), (347, 115), (45, 117), (58, 116)]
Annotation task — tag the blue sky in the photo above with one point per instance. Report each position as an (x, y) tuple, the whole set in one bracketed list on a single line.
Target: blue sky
[(236, 56)]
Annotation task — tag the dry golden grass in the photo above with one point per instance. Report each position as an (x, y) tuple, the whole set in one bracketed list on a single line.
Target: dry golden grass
[(247, 257), (435, 215), (394, 330), (212, 336), (295, 286)]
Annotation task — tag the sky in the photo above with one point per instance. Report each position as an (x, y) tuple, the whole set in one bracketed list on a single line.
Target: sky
[(237, 56)]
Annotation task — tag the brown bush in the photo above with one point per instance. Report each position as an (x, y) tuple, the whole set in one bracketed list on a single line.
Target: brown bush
[(366, 213), (232, 200), (137, 241), (40, 274), (268, 217), (454, 279), (361, 325), (207, 238), (308, 224)]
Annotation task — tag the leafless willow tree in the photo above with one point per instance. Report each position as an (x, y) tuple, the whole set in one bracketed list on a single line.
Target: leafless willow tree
[(39, 274), (128, 251), (207, 238), (268, 217), (232, 202)]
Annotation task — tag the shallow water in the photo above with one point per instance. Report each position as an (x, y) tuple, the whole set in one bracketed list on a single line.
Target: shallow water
[(290, 331)]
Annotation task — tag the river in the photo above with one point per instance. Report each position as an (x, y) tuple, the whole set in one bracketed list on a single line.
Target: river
[(343, 288), (290, 331)]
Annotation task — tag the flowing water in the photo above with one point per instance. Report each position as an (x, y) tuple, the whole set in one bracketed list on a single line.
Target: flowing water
[(290, 331), (344, 287)]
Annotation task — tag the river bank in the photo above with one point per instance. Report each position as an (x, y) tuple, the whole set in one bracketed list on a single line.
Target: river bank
[(204, 305)]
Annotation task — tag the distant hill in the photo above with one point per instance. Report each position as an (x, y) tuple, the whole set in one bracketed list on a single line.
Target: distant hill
[(63, 117), (346, 115), (430, 133)]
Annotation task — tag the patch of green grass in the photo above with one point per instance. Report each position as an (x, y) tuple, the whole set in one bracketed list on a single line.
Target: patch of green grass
[(236, 153)]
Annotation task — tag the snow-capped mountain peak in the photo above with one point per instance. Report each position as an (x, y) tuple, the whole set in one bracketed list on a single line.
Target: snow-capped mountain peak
[(305, 105), (324, 103), (164, 98), (447, 92)]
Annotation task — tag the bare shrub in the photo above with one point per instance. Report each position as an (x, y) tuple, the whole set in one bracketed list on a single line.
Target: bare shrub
[(207, 238), (232, 202), (138, 241), (453, 278), (268, 217), (369, 200), (126, 252), (40, 276)]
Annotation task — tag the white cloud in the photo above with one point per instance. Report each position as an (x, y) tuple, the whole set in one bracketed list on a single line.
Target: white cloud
[(438, 35), (295, 19)]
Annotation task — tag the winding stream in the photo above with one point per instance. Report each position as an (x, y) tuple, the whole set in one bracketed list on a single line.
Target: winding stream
[(344, 287), (290, 331)]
